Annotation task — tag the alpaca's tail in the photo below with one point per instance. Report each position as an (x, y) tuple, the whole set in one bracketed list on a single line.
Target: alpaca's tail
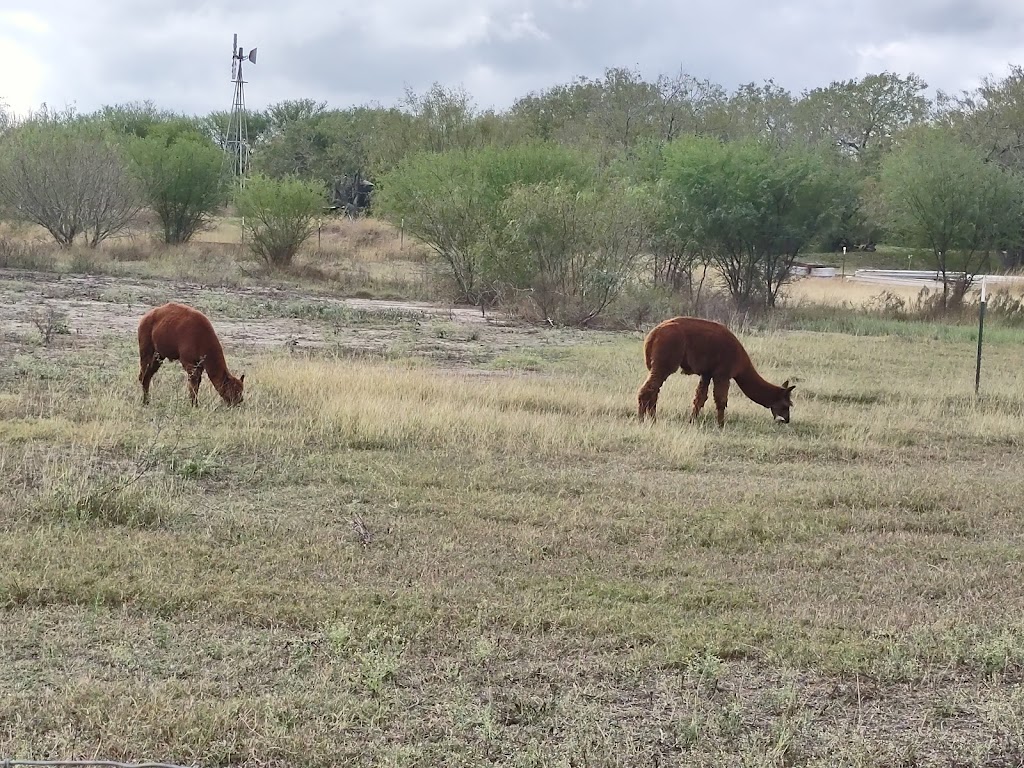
[(146, 346), (649, 350)]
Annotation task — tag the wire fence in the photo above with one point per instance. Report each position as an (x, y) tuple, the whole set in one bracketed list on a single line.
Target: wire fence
[(87, 764)]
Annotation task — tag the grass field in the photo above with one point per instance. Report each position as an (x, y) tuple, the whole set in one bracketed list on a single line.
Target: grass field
[(429, 539)]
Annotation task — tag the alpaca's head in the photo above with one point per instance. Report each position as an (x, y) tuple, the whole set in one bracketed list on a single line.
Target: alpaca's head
[(233, 389), (780, 408)]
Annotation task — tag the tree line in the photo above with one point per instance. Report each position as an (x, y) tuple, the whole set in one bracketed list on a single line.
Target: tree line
[(577, 191)]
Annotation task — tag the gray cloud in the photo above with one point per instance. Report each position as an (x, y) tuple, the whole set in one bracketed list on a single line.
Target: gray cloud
[(63, 51)]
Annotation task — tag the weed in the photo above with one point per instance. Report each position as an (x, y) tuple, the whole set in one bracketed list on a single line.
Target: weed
[(379, 660), (50, 322), (197, 467)]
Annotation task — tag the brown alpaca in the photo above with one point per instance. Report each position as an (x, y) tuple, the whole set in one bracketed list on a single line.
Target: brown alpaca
[(177, 332), (710, 350)]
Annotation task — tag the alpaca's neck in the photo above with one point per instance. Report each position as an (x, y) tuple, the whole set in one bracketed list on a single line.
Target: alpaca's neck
[(217, 370), (757, 389)]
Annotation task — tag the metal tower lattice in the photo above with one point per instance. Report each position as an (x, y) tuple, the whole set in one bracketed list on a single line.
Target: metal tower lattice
[(236, 145)]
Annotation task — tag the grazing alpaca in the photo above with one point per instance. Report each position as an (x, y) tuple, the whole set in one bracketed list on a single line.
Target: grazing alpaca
[(177, 332), (710, 350)]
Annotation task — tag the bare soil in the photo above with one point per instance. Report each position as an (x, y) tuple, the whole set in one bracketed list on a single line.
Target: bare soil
[(97, 305)]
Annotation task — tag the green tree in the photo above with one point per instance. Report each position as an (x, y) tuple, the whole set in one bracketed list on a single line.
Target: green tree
[(763, 111), (7, 120), (438, 199), (216, 124), (686, 106), (180, 178), (279, 215), (938, 193), (572, 250), (136, 119), (452, 202), (68, 175), (754, 208), (863, 117), (618, 111), (329, 145), (991, 118), (443, 119), (284, 113)]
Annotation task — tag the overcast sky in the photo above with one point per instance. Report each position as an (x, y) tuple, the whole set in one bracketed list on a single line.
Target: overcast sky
[(178, 52)]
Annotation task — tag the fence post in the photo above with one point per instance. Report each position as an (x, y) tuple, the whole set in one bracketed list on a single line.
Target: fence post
[(981, 331)]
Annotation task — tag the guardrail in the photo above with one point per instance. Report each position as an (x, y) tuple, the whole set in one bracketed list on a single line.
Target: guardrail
[(928, 274)]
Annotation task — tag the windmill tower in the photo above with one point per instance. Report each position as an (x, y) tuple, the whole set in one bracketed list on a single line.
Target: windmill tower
[(236, 147)]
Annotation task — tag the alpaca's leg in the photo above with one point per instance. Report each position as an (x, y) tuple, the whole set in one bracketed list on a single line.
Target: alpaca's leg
[(149, 368), (195, 378), (701, 396), (647, 397), (721, 390)]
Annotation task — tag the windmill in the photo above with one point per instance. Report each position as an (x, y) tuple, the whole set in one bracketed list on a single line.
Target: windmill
[(236, 147)]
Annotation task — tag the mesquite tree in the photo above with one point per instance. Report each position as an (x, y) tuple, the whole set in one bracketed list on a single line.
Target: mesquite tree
[(69, 176)]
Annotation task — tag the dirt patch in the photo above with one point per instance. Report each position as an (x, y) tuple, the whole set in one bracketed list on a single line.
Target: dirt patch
[(92, 309), (96, 305)]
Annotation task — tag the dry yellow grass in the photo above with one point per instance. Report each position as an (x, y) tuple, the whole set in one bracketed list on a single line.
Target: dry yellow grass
[(836, 291), (391, 562), (434, 542), (362, 257)]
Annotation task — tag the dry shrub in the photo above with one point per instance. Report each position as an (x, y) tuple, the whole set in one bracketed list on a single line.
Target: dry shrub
[(925, 306), (132, 249), (887, 304), (313, 272), (50, 321), (19, 254), (1008, 308), (639, 307), (366, 239), (643, 306)]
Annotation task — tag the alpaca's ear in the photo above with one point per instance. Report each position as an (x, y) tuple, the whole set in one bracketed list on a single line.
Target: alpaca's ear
[(241, 379), (785, 384)]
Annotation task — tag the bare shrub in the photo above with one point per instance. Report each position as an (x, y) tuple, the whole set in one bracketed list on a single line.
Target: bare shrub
[(69, 177), (131, 250), (929, 305), (641, 306), (1008, 308), (887, 304), (50, 322)]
